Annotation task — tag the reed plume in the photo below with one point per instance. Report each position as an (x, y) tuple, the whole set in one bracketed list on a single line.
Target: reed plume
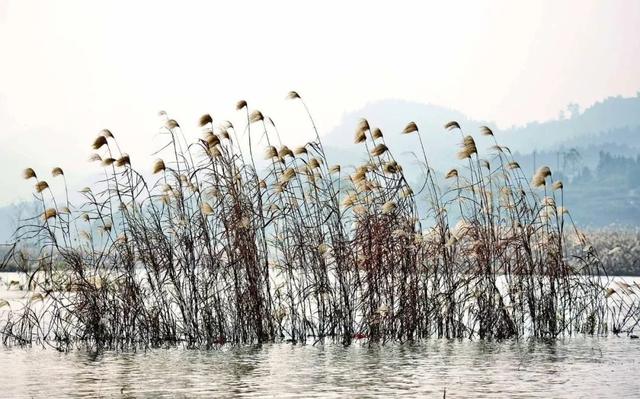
[(452, 125), (171, 124), (158, 166), (29, 173), (256, 116), (361, 131), (410, 128), (57, 172), (540, 177), (241, 105), (49, 213), (293, 95), (41, 186), (485, 131), (106, 133), (216, 250), (468, 148), (124, 160), (205, 120), (379, 150), (270, 152), (99, 142)]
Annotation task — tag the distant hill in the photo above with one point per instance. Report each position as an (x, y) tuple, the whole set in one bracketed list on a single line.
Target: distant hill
[(599, 191), (613, 121), (391, 116), (596, 123), (597, 195), (10, 217)]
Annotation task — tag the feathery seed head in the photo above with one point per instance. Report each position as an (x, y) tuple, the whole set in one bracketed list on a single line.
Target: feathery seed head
[(215, 152), (390, 167), (287, 175), (557, 185), (107, 133), (206, 209), (406, 192), (171, 124), (270, 152), (225, 134), (349, 200), (49, 213), (452, 125), (360, 209), (41, 186), (468, 148), (99, 142), (29, 173), (359, 176), (212, 140), (410, 128), (158, 166), (241, 105), (314, 163), (452, 173), (57, 172), (300, 150), (548, 201), (485, 131), (379, 150), (205, 120), (292, 95), (123, 160), (361, 131), (360, 137), (285, 152), (256, 116), (540, 177), (389, 207)]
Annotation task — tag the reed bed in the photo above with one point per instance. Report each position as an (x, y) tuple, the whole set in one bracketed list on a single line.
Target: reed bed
[(618, 248), (214, 251)]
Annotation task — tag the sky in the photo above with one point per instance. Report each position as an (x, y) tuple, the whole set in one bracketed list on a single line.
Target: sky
[(71, 68)]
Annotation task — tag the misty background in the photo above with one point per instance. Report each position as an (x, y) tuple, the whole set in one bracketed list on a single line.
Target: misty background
[(557, 82)]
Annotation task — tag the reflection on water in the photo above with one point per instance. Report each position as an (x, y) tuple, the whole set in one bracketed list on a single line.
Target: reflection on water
[(577, 367)]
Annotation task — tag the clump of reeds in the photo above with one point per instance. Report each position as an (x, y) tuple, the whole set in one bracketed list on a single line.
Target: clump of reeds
[(215, 251)]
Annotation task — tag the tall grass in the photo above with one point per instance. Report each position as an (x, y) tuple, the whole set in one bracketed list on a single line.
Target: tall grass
[(214, 251)]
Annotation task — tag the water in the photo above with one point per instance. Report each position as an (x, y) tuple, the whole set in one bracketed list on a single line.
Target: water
[(571, 367), (576, 367)]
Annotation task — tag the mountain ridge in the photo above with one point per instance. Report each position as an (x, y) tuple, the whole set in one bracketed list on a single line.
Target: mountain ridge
[(611, 125)]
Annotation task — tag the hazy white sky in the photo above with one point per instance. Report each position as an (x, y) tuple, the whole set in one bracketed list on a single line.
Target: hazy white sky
[(71, 68)]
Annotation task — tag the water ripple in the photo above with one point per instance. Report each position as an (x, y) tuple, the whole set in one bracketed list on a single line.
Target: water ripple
[(577, 367)]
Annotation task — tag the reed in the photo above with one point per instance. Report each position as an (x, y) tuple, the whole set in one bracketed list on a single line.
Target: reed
[(213, 251)]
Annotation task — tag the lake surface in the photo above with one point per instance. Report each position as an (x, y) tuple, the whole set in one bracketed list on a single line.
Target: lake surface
[(576, 367), (567, 368)]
